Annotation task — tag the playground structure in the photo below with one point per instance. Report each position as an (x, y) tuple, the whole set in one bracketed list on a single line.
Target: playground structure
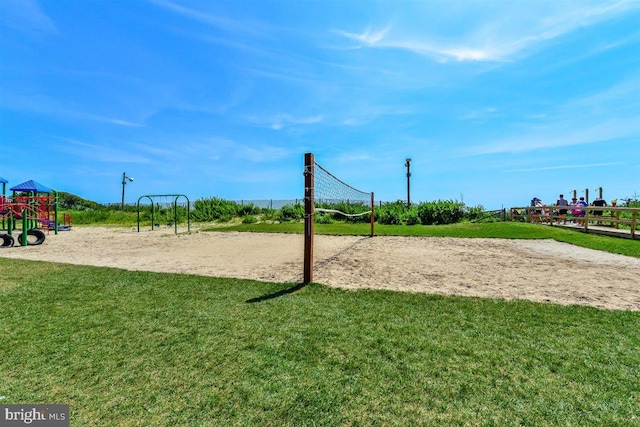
[(161, 207), (35, 209)]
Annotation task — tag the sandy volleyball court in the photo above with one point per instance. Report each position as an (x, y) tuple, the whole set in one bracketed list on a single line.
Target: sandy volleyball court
[(542, 270)]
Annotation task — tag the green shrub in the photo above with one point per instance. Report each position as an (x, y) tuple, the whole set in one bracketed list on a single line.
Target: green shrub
[(214, 209), (71, 201), (100, 216), (270, 214), (250, 209), (473, 213), (391, 213), (323, 218), (440, 212), (426, 213), (249, 219), (411, 217), (291, 213), (220, 210)]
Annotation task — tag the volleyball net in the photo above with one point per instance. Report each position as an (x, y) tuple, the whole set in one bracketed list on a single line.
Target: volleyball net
[(325, 193), (334, 196)]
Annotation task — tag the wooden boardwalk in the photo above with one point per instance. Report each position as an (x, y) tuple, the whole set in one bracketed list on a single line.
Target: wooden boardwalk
[(600, 229), (612, 221)]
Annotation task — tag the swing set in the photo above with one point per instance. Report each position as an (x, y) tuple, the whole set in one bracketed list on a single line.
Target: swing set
[(165, 203)]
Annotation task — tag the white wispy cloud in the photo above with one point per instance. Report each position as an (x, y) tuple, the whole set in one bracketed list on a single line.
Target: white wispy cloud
[(624, 94), (282, 74), (496, 37), (111, 120), (284, 120), (558, 135), (382, 39), (215, 20), (610, 114), (261, 154), (354, 157), (221, 148), (561, 167), (197, 15), (362, 114), (483, 113), (368, 38), (49, 106), (102, 151), (26, 16)]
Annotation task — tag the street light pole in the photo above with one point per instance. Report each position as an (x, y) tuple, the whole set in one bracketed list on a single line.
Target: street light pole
[(124, 182), (408, 165)]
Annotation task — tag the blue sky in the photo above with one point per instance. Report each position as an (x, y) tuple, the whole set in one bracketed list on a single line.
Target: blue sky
[(495, 101)]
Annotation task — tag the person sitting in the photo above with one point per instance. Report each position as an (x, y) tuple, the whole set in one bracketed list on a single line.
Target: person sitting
[(573, 212), (579, 211), (562, 204), (536, 210), (545, 213), (599, 202)]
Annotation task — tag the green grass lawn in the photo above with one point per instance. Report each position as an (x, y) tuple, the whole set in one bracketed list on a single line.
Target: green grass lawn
[(507, 230), (147, 349)]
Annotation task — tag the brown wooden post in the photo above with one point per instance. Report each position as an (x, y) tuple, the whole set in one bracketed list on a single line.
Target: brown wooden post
[(586, 220), (373, 219), (309, 195)]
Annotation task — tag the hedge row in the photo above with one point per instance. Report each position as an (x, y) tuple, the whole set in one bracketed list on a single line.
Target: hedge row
[(221, 210), (426, 213)]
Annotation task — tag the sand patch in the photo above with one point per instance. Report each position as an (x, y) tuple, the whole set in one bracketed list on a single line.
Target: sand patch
[(536, 270)]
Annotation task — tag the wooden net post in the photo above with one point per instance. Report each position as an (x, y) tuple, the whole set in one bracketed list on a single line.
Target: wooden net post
[(309, 195), (373, 219)]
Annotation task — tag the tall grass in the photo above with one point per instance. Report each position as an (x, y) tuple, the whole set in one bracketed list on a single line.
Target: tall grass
[(108, 217)]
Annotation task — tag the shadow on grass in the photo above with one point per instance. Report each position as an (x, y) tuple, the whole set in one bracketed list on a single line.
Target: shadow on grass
[(277, 294)]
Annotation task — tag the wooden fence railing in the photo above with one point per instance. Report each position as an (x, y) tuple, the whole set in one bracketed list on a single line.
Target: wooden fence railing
[(617, 218)]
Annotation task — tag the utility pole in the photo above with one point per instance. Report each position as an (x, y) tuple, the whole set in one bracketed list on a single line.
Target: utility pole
[(124, 182), (408, 165)]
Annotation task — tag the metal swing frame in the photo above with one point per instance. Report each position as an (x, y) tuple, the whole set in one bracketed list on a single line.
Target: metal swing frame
[(174, 204)]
